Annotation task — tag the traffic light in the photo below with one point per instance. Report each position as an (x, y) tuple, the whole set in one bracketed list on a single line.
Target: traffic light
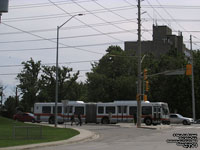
[(137, 97), (188, 69), (145, 74), (145, 97), (147, 86)]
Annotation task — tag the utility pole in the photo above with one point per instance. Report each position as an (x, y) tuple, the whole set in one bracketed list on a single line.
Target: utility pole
[(193, 96), (16, 97), (139, 68), (1, 94)]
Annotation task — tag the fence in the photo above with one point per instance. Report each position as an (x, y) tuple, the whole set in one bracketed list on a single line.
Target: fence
[(27, 132)]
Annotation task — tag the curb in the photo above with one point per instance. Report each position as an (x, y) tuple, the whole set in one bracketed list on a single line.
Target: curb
[(84, 135)]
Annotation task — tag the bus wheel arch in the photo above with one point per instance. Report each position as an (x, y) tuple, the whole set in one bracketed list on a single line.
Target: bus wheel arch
[(105, 120), (148, 121)]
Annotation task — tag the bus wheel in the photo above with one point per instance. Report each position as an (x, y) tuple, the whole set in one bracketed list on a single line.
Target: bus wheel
[(105, 120), (148, 121), (51, 120)]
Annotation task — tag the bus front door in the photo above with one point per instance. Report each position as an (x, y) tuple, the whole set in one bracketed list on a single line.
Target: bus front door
[(157, 115), (122, 114)]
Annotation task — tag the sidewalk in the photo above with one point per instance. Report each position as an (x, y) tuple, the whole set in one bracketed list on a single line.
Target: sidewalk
[(84, 135), (157, 127)]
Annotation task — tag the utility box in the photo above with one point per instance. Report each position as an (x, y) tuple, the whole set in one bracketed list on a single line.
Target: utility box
[(3, 6)]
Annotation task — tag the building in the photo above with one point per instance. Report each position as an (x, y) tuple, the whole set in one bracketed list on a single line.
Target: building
[(163, 42)]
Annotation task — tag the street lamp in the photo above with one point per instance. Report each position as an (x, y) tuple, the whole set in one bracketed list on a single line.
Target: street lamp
[(56, 97)]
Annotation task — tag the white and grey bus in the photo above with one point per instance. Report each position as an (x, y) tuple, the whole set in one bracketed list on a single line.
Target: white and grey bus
[(111, 112)]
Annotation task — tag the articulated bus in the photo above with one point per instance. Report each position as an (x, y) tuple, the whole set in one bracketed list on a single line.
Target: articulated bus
[(105, 113)]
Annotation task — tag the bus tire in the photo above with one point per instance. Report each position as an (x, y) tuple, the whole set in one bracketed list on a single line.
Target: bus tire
[(105, 120), (148, 121), (51, 120)]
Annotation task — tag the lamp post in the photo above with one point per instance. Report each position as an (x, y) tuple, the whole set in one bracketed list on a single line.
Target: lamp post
[(56, 97)]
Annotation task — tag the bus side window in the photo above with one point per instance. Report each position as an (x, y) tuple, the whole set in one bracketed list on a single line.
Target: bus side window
[(132, 110), (59, 109), (46, 109), (68, 109), (110, 109), (100, 110), (79, 110), (146, 110)]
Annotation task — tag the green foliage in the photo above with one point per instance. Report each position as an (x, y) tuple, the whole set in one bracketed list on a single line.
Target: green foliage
[(68, 88), (28, 79), (10, 105), (113, 77)]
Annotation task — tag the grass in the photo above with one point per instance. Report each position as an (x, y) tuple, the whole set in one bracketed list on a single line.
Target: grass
[(48, 133)]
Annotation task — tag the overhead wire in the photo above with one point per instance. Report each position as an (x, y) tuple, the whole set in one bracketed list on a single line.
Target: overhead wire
[(80, 49), (34, 5), (69, 37), (84, 22), (172, 17), (53, 48), (72, 27), (59, 15)]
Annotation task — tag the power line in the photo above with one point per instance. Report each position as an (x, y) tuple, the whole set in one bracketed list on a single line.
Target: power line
[(69, 37), (171, 17), (100, 19), (34, 5), (59, 15), (11, 74), (74, 27), (48, 39), (71, 62), (50, 48)]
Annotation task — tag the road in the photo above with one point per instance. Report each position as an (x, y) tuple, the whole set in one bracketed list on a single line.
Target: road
[(129, 138)]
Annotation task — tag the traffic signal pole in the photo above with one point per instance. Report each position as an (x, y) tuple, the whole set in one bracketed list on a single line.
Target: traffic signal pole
[(139, 68)]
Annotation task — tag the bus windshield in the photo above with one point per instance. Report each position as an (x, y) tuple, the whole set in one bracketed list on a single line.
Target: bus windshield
[(165, 109)]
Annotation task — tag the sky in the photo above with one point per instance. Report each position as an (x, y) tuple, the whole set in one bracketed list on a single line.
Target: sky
[(28, 30)]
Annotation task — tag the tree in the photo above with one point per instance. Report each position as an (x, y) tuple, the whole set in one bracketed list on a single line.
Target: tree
[(114, 77), (10, 106), (28, 79), (174, 89), (66, 84)]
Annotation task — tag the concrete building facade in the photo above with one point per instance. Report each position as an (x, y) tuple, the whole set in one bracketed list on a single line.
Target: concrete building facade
[(163, 42)]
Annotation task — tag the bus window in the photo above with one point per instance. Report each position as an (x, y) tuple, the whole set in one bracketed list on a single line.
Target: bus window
[(110, 109), (120, 109), (146, 110), (165, 109), (132, 110), (79, 110), (68, 109), (59, 109), (100, 110), (46, 109)]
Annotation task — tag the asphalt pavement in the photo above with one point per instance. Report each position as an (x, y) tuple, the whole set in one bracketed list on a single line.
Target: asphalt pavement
[(86, 134)]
